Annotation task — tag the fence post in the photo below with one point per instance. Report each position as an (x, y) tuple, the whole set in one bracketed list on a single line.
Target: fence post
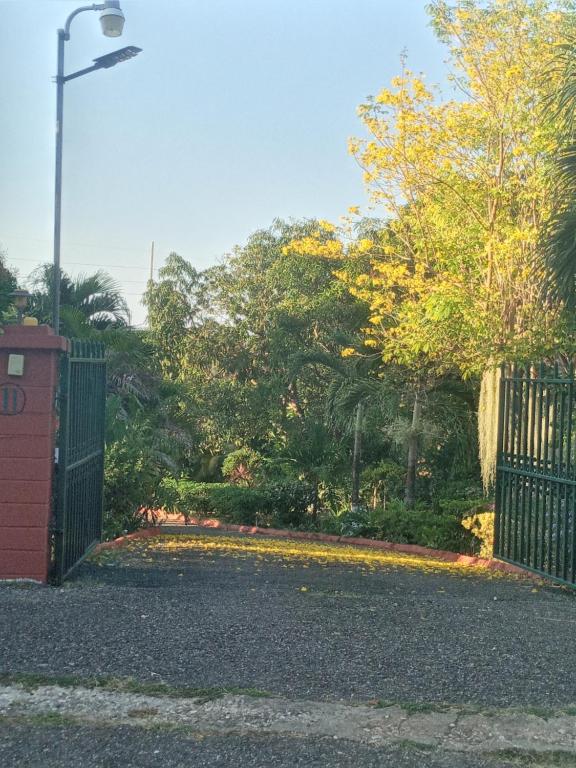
[(496, 549), (29, 363)]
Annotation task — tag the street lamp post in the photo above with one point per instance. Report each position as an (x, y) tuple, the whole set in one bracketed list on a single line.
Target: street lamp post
[(112, 22), (20, 300)]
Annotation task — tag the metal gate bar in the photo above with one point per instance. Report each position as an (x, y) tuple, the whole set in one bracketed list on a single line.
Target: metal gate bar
[(80, 467), (536, 477)]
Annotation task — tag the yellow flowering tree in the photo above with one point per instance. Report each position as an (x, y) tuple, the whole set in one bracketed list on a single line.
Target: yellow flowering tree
[(466, 185)]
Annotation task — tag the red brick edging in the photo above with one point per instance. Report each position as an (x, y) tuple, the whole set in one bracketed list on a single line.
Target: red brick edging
[(143, 533), (412, 549)]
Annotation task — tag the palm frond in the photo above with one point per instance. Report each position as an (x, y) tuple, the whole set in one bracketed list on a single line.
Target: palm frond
[(560, 255)]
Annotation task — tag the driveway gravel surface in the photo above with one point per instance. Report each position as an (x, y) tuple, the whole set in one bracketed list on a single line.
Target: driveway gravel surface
[(299, 620), (58, 747)]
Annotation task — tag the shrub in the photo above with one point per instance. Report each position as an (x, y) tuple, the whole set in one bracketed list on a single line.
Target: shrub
[(242, 467), (283, 504), (357, 522), (131, 482), (481, 526), (458, 507), (454, 490), (189, 498), (240, 505), (288, 503), (168, 495), (436, 528)]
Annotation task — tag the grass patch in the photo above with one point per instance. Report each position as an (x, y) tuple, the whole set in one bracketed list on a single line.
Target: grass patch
[(424, 707), (531, 759), (417, 708), (40, 719), (542, 712), (143, 712), (128, 685), (464, 710)]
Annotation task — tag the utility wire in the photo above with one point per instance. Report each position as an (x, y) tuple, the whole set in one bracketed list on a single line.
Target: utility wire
[(79, 263)]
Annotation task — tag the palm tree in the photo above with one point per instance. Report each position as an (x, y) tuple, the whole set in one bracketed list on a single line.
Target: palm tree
[(87, 302), (409, 411), (560, 237), (349, 388)]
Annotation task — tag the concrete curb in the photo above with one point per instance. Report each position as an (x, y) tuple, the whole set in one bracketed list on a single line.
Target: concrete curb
[(143, 533)]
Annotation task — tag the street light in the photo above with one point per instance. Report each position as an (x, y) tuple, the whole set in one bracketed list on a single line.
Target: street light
[(112, 23), (20, 300), (112, 20)]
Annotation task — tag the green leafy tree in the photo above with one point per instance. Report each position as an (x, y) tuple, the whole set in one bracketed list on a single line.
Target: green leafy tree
[(229, 334), (7, 285), (175, 304)]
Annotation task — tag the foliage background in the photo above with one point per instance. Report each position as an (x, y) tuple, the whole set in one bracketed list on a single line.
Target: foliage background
[(344, 376)]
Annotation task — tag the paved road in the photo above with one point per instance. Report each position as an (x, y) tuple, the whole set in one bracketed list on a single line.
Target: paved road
[(71, 747), (226, 612)]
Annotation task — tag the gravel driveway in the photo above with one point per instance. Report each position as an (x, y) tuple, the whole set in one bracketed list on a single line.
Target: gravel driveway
[(300, 621)]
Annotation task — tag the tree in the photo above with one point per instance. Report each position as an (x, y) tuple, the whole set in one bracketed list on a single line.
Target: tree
[(560, 236), (175, 304), (467, 186), (230, 332), (87, 302), (345, 395), (7, 285)]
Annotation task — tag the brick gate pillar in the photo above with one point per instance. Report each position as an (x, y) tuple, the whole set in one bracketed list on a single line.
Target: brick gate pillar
[(29, 363)]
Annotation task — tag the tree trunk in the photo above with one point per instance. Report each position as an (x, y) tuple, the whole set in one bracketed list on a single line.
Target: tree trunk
[(410, 493), (356, 459), (488, 407), (315, 503)]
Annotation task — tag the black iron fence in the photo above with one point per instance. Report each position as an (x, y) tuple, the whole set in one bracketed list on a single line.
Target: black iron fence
[(536, 470), (80, 465)]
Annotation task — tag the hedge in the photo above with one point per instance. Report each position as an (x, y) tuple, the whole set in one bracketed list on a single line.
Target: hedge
[(284, 504)]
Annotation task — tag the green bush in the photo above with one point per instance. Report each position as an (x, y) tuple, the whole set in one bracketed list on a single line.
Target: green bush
[(357, 522), (288, 503), (458, 507), (168, 494), (243, 467), (240, 505), (438, 528), (131, 483), (189, 498), (282, 504)]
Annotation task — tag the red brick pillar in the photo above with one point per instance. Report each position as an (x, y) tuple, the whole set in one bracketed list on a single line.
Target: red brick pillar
[(29, 362)]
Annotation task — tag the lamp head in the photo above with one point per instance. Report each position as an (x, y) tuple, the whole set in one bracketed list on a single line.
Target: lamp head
[(20, 298), (112, 19)]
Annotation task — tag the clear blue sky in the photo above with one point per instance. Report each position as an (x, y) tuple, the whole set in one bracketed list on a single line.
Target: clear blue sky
[(236, 112)]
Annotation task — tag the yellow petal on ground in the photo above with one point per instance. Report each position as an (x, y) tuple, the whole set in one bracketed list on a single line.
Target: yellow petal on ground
[(294, 553)]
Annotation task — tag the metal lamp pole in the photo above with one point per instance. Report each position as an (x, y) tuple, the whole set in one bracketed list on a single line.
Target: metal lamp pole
[(112, 21)]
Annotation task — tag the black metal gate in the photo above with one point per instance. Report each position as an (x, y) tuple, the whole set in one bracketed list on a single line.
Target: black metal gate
[(80, 465), (536, 471)]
